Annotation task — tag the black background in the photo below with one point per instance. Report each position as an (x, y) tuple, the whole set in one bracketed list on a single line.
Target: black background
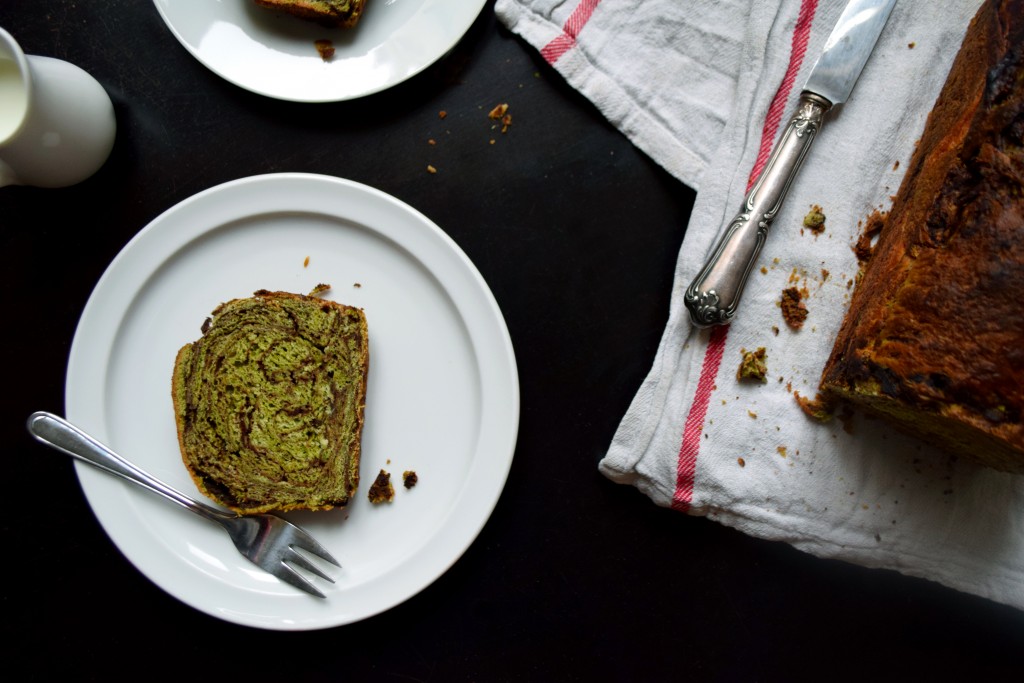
[(576, 232)]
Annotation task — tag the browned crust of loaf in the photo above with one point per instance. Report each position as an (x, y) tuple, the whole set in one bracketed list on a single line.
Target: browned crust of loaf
[(933, 337), (318, 11), (356, 454), (176, 400)]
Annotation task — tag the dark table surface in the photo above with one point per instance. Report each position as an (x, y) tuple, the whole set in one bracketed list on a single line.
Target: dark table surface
[(576, 233)]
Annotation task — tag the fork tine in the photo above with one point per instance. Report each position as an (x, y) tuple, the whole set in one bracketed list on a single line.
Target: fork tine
[(301, 539), (297, 558), (289, 575)]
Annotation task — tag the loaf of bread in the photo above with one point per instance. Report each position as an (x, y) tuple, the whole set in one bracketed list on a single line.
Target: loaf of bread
[(934, 337), (269, 403), (332, 13)]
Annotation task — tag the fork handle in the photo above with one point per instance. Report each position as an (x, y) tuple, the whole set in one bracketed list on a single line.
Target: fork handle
[(65, 437)]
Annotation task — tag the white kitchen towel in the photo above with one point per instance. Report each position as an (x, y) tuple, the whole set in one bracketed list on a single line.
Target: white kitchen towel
[(703, 87)]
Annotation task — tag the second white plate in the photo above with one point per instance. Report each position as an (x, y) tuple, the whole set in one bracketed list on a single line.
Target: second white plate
[(273, 54), (442, 399)]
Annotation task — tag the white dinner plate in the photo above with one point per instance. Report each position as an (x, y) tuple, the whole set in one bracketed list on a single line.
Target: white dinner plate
[(273, 54), (442, 397)]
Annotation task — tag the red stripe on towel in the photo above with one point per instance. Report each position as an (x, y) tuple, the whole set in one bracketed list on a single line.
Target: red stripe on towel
[(693, 428), (801, 35), (562, 43)]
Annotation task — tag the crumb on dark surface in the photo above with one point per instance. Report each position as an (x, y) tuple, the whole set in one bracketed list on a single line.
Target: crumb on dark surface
[(381, 491), (498, 112), (794, 312), (410, 479), (753, 366)]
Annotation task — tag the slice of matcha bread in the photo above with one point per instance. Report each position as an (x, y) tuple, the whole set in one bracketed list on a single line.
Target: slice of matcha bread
[(269, 402)]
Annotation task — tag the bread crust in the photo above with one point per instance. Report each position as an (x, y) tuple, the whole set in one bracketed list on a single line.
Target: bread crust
[(934, 337)]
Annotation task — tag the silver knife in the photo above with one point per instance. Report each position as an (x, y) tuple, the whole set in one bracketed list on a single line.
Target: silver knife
[(714, 295)]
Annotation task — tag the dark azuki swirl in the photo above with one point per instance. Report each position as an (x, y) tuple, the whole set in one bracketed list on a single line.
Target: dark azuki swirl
[(269, 402)]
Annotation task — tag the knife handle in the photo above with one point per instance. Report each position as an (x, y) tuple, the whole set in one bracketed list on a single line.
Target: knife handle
[(714, 295)]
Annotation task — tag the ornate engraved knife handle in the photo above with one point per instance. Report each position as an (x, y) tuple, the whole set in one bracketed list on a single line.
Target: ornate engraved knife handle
[(714, 295)]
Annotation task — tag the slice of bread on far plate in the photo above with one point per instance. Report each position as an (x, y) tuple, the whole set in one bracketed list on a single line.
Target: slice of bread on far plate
[(333, 13)]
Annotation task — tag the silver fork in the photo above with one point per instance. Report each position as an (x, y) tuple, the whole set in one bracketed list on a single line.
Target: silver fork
[(268, 541)]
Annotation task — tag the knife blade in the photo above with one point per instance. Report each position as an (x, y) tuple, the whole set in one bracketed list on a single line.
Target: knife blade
[(714, 294)]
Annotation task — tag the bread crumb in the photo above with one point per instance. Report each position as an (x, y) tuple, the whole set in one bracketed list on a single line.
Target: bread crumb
[(431, 169), (442, 114), (865, 243), (819, 408), (911, 45), (782, 451), (498, 112), (381, 491), (325, 48), (764, 271), (410, 479), (319, 289), (794, 312), (356, 285), (775, 330), (753, 366), (742, 462), (305, 262), (431, 142), (815, 220), (752, 414)]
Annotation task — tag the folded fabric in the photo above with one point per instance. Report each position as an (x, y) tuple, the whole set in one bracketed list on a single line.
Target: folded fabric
[(703, 87)]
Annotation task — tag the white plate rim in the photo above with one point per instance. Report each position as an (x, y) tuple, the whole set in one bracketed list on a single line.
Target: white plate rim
[(437, 27), (151, 247)]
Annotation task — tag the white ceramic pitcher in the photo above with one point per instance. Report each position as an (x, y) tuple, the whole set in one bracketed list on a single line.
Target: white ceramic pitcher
[(57, 123)]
